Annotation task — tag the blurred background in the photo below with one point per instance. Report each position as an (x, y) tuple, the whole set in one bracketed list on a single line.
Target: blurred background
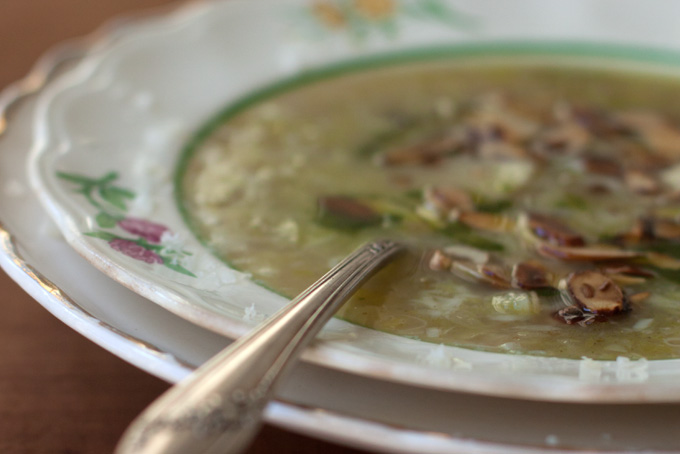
[(59, 392)]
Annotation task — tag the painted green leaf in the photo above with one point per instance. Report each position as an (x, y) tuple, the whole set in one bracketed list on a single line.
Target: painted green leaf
[(106, 221), (79, 179), (116, 196), (178, 268), (442, 12), (108, 178)]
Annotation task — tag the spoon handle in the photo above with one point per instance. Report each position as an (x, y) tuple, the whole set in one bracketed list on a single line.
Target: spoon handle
[(218, 408)]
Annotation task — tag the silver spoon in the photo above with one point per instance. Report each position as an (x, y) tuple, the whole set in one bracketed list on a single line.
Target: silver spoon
[(218, 409)]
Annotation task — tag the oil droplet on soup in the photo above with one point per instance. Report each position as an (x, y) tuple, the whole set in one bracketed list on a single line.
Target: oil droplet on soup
[(540, 204)]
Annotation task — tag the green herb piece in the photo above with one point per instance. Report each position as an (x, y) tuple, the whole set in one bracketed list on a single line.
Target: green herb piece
[(671, 248), (493, 206), (414, 194), (466, 235), (668, 274), (386, 138), (573, 202), (547, 292)]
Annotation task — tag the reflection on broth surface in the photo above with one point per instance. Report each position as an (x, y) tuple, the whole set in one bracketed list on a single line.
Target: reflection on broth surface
[(540, 203)]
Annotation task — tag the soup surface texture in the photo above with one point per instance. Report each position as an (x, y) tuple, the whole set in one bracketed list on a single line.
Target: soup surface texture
[(541, 204)]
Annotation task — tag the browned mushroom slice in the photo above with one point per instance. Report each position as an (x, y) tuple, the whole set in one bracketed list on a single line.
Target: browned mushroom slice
[(641, 182), (596, 293), (595, 253), (495, 275), (601, 166), (661, 137), (446, 198), (530, 275), (597, 121), (553, 231), (342, 212), (666, 229), (649, 228), (627, 269), (638, 157), (424, 153), (489, 222), (626, 274)]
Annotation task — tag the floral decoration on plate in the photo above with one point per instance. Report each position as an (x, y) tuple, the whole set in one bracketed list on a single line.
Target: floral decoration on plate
[(152, 242), (361, 19)]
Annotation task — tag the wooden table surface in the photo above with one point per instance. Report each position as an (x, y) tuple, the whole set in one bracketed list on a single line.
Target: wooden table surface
[(60, 393)]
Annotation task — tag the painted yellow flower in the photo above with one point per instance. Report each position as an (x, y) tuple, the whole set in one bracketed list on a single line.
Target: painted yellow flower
[(329, 14), (375, 9)]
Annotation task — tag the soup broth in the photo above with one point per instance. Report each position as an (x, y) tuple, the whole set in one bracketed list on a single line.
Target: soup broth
[(540, 203)]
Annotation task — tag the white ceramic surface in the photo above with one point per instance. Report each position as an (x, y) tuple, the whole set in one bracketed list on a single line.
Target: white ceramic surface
[(129, 107), (336, 406)]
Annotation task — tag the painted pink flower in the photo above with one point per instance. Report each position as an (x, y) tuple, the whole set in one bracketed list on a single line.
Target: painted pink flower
[(134, 250), (151, 231)]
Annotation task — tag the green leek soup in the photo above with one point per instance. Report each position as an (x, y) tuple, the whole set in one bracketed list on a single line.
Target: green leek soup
[(540, 204)]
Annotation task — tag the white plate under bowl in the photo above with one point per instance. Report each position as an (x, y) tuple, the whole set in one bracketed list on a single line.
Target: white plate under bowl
[(130, 106)]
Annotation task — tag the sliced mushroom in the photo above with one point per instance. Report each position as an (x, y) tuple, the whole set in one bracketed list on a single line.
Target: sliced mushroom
[(553, 231), (601, 166), (595, 253), (424, 153), (660, 136), (596, 293), (650, 228), (666, 229), (489, 222), (642, 182), (638, 157), (492, 274), (342, 212), (627, 270), (530, 275), (598, 122)]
